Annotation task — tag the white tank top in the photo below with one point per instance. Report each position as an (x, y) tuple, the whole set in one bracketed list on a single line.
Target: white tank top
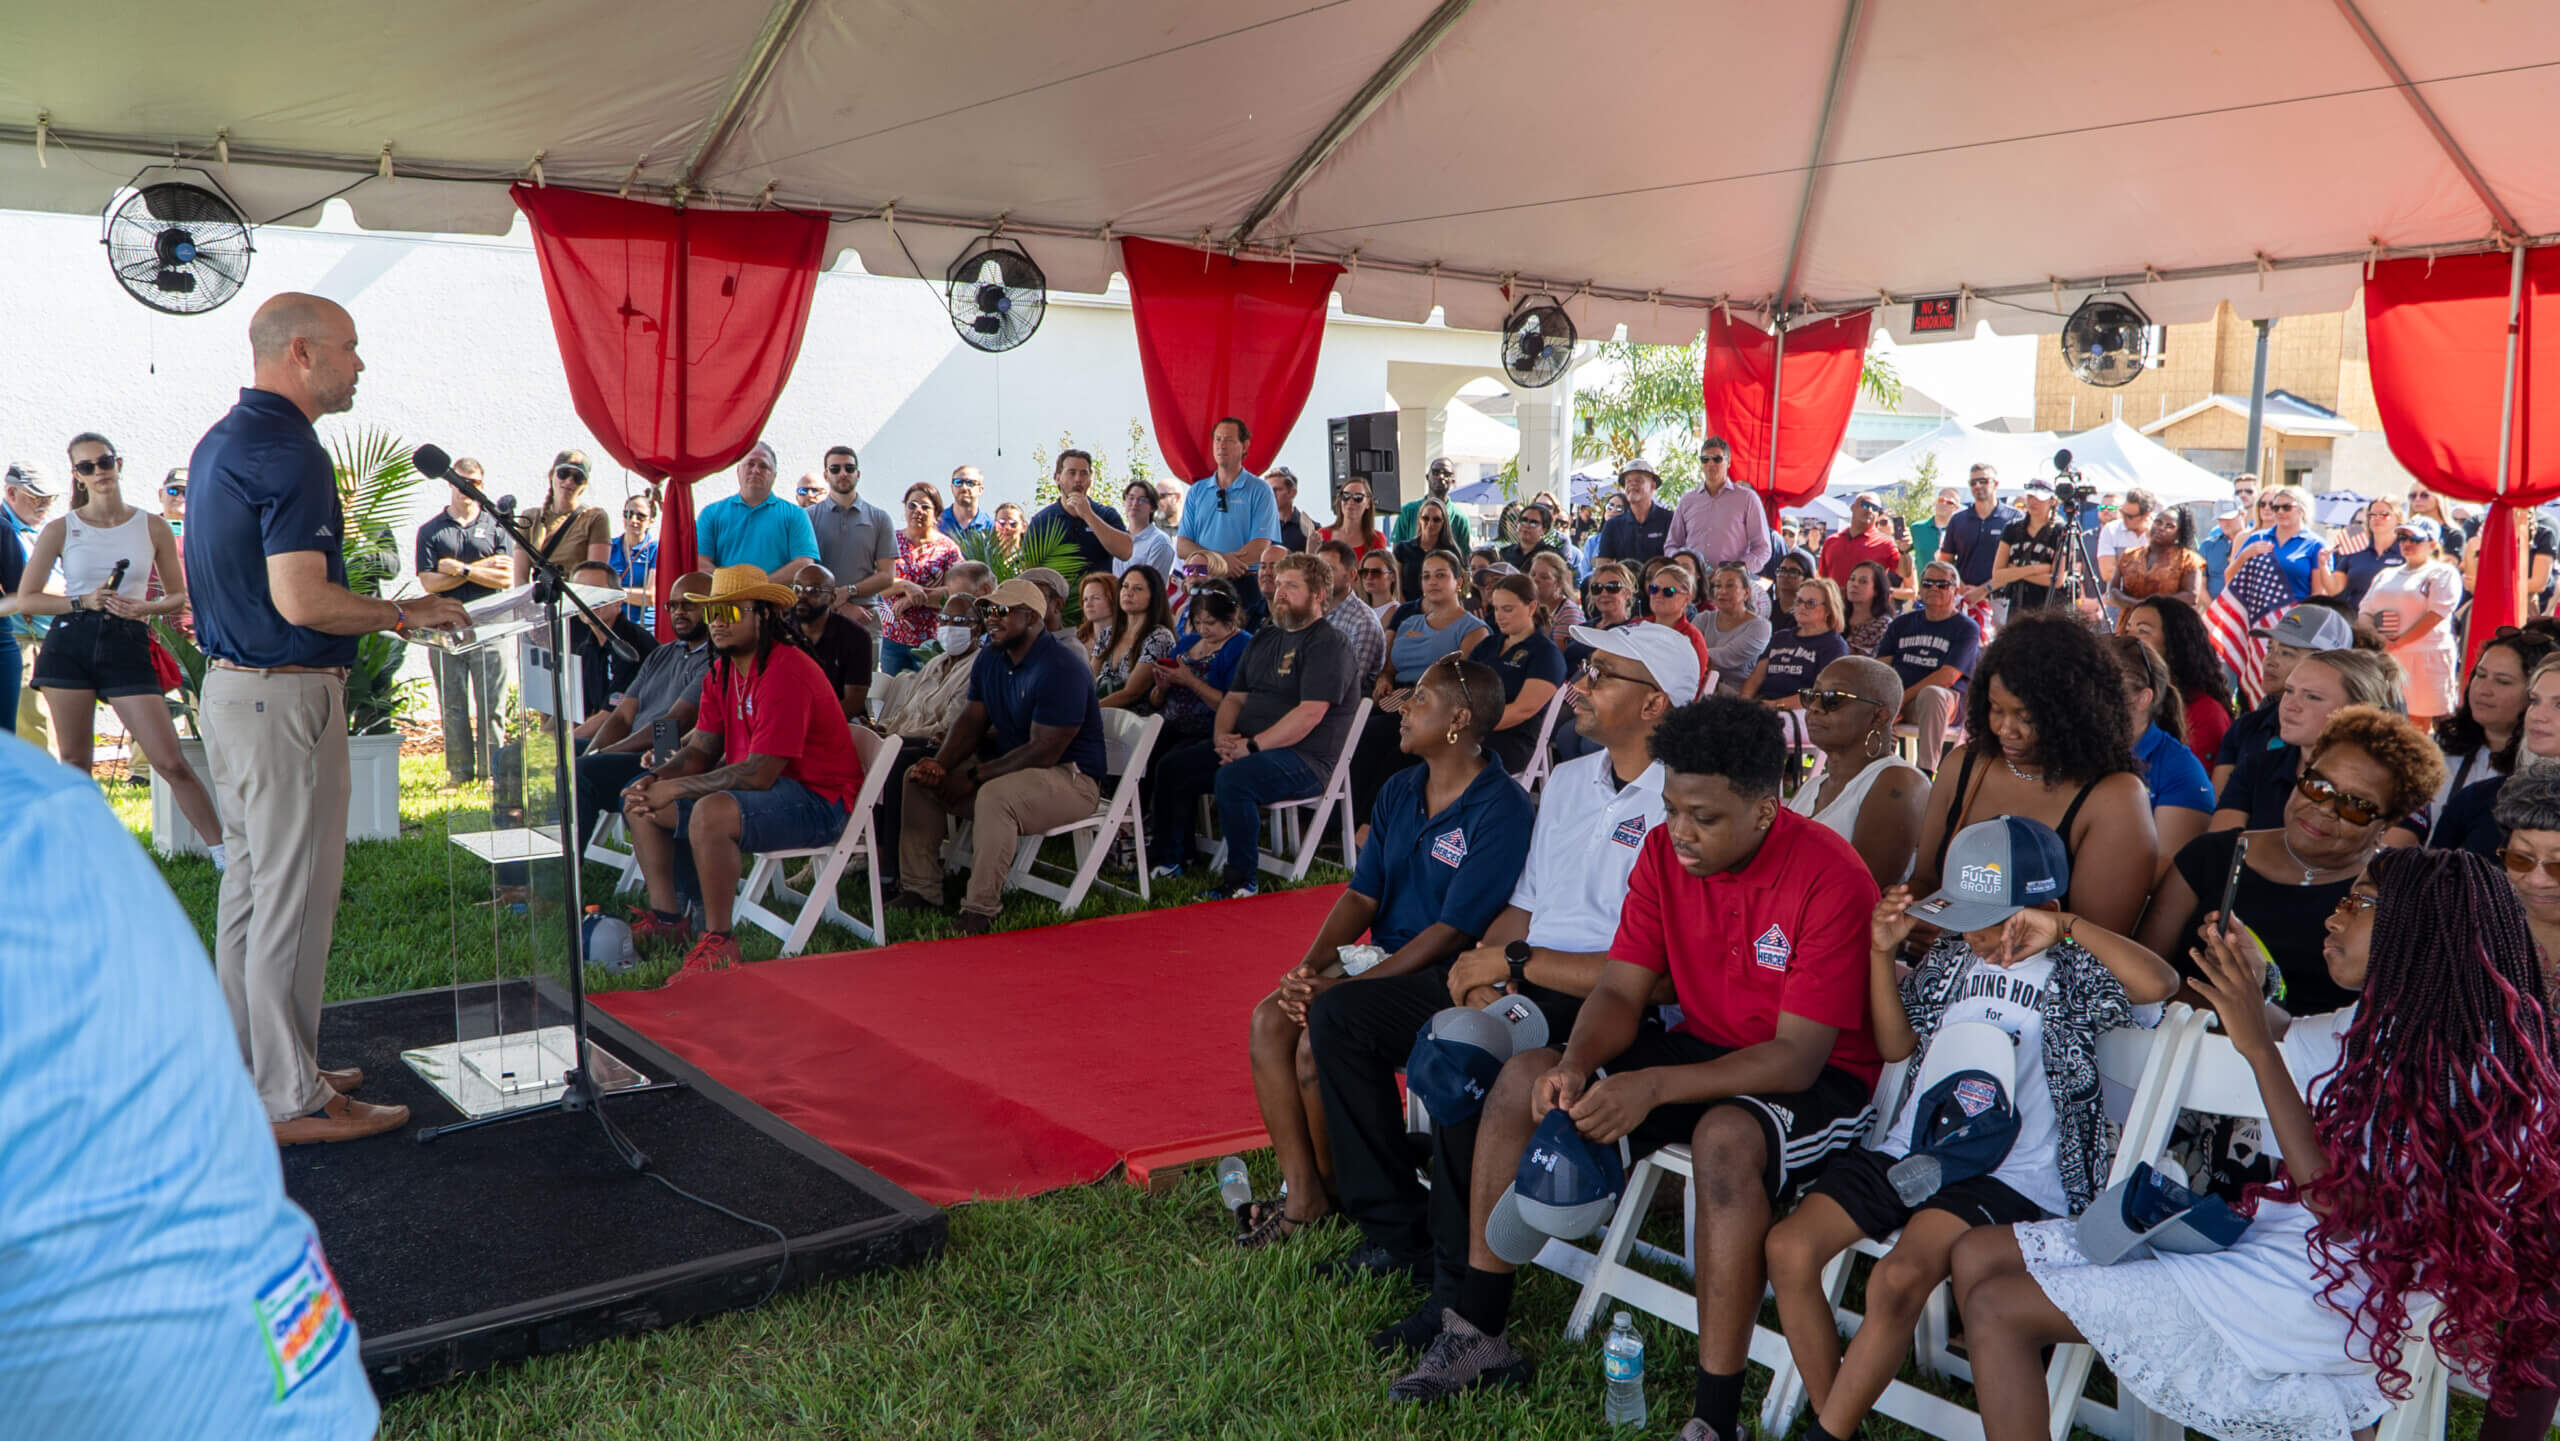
[(1841, 816), (90, 553)]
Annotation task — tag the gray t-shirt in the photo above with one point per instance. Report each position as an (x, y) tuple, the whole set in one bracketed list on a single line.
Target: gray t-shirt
[(672, 673), (853, 542), (1282, 668)]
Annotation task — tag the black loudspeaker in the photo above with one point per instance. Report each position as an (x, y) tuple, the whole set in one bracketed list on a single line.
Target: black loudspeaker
[(1364, 448)]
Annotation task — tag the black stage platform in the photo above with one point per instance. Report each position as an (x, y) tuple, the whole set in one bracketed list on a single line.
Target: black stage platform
[(531, 1237)]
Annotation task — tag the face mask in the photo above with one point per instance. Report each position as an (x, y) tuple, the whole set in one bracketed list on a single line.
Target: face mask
[(953, 637)]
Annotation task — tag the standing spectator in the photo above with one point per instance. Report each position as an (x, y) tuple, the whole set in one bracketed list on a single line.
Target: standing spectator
[(1355, 520), (755, 527), (1074, 515), (1136, 637), (1932, 651), (2164, 563), (109, 551), (769, 766), (1552, 574), (2411, 604), (29, 496), (1736, 637), (151, 1216), (2181, 796), (1010, 527), (1436, 481), (1529, 664), (2130, 530), (913, 599), (1451, 835), (1867, 538), (462, 553), (173, 500), (1534, 536), (1930, 532), (1169, 493), (2539, 539), (1277, 733), (1032, 696), (2230, 523), (2423, 501), (857, 542), (564, 528), (1284, 498), (1868, 606), (1141, 543), (2362, 554), (2299, 553), (842, 647), (1379, 584), (1343, 611), (279, 628), (633, 555), (603, 675), (1436, 526), (1719, 520), (1670, 589), (1193, 682), (810, 491), (962, 515), (1796, 656), (2033, 571), (1230, 517), (1971, 538), (1867, 792), (615, 744)]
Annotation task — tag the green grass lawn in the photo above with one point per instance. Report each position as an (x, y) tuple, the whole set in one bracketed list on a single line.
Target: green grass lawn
[(1094, 1312)]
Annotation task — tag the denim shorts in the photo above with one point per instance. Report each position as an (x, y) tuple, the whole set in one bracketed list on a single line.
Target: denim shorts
[(787, 817), (96, 651)]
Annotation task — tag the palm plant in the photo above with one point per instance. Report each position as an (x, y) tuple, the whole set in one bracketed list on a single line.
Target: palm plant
[(376, 483), (1042, 545)]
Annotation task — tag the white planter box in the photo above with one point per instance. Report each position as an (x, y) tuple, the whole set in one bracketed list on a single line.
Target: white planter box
[(373, 802)]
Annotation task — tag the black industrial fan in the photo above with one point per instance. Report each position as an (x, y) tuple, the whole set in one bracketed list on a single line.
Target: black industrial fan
[(2108, 341), (1537, 341), (178, 247), (996, 293)]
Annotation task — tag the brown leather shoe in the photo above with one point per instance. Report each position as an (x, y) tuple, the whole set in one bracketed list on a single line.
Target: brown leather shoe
[(343, 1082), (343, 1119)]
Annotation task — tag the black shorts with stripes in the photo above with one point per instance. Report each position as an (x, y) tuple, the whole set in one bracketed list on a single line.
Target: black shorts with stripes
[(1802, 1130)]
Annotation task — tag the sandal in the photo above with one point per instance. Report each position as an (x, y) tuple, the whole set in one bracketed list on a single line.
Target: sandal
[(1262, 1224)]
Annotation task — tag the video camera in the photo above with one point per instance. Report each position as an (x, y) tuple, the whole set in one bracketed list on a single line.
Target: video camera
[(2069, 490)]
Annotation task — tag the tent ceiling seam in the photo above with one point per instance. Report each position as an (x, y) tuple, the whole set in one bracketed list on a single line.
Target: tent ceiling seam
[(781, 25), (1372, 95), (1821, 144), (2499, 215)]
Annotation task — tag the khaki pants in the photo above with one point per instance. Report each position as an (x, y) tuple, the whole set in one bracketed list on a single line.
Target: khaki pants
[(1933, 709), (276, 750), (1004, 810)]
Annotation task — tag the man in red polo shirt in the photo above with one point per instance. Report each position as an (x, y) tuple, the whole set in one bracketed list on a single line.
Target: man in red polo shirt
[(770, 766), (1868, 538), (1759, 917)]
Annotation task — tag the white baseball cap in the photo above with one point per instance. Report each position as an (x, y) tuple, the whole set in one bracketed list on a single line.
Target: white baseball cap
[(1665, 654)]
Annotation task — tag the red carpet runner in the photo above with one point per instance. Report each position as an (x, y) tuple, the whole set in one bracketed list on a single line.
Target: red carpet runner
[(1003, 1065)]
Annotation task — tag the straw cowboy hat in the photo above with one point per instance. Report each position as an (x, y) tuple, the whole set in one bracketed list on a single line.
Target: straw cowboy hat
[(746, 583)]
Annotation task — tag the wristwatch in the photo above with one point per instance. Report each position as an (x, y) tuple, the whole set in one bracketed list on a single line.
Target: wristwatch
[(1253, 745), (1517, 953)]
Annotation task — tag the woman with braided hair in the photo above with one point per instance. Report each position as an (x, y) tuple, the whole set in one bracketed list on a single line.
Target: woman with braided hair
[(2421, 1191)]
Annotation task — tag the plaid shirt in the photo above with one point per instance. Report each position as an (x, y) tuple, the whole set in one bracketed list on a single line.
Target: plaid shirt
[(1367, 639)]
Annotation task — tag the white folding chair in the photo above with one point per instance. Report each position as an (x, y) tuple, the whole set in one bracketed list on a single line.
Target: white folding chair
[(859, 840), (886, 688), (602, 850), (1333, 802), (1534, 773), (1130, 740)]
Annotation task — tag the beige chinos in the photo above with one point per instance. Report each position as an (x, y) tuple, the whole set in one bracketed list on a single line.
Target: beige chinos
[(1003, 811)]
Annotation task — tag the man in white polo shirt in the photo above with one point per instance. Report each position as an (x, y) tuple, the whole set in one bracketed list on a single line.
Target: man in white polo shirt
[(1550, 944)]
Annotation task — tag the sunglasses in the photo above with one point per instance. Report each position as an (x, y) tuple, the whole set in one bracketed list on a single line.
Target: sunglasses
[(106, 463), (857, 470), (570, 472), (1939, 584), (174, 491), (1824, 702), (2323, 792), (635, 515), (1664, 590), (2520, 864), (2352, 905), (1592, 675), (1608, 587), (2280, 507), (1800, 602), (727, 612), (1222, 502)]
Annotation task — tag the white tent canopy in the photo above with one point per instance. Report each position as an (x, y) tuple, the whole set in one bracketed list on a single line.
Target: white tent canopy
[(2116, 457), (2255, 153), (2112, 457)]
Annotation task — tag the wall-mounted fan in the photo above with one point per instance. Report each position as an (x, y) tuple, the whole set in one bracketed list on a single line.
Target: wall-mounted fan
[(996, 294), (176, 246), (2108, 341), (1537, 341)]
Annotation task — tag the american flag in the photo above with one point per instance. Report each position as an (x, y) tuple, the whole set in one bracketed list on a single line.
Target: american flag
[(2257, 595)]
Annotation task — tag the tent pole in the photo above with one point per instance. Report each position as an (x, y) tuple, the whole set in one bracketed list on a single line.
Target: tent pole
[(2252, 449), (2507, 398)]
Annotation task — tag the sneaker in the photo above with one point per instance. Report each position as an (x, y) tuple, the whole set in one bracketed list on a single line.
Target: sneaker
[(1699, 1430), (714, 952), (1371, 1259), (971, 923), (1413, 1335), (1169, 871), (647, 929), (1461, 1358), (1227, 892)]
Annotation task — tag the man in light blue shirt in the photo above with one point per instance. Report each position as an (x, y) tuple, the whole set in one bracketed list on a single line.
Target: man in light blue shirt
[(1231, 517), (754, 528), (154, 1279)]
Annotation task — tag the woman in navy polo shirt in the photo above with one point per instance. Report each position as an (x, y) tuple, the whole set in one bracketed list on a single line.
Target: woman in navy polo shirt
[(1445, 848), (2299, 555), (1796, 656), (1527, 661)]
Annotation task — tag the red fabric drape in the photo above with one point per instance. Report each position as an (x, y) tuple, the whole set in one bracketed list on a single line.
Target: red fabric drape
[(1219, 336), (1820, 381), (2437, 334), (677, 329)]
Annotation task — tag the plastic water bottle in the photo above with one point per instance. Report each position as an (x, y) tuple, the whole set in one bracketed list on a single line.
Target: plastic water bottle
[(1622, 1362), (1234, 1186)]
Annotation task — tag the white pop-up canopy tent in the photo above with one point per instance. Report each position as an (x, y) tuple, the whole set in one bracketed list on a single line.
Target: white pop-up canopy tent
[(2117, 457), (2113, 456), (2255, 153)]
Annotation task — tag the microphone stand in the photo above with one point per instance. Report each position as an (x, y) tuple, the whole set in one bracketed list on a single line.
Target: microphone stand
[(579, 1089)]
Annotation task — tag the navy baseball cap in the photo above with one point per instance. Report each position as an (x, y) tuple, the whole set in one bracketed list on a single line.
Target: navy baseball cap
[(1566, 1188), (1967, 1117), (1460, 1052), (2148, 1212), (1995, 869)]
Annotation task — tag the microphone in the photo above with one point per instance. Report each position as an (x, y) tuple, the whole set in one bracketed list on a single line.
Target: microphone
[(433, 463), (507, 505), (116, 580), (2062, 462)]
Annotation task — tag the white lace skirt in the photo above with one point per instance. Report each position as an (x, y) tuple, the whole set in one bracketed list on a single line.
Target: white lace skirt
[(2164, 1351)]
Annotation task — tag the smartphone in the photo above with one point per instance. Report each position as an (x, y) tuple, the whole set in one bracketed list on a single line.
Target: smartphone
[(2231, 882), (663, 740)]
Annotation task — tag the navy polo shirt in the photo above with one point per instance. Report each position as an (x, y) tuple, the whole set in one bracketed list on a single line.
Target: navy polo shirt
[(1054, 517), (1972, 541), (1458, 867), (1052, 687), (263, 486)]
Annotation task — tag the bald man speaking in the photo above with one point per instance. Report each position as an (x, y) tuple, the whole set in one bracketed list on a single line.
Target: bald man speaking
[(268, 577)]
